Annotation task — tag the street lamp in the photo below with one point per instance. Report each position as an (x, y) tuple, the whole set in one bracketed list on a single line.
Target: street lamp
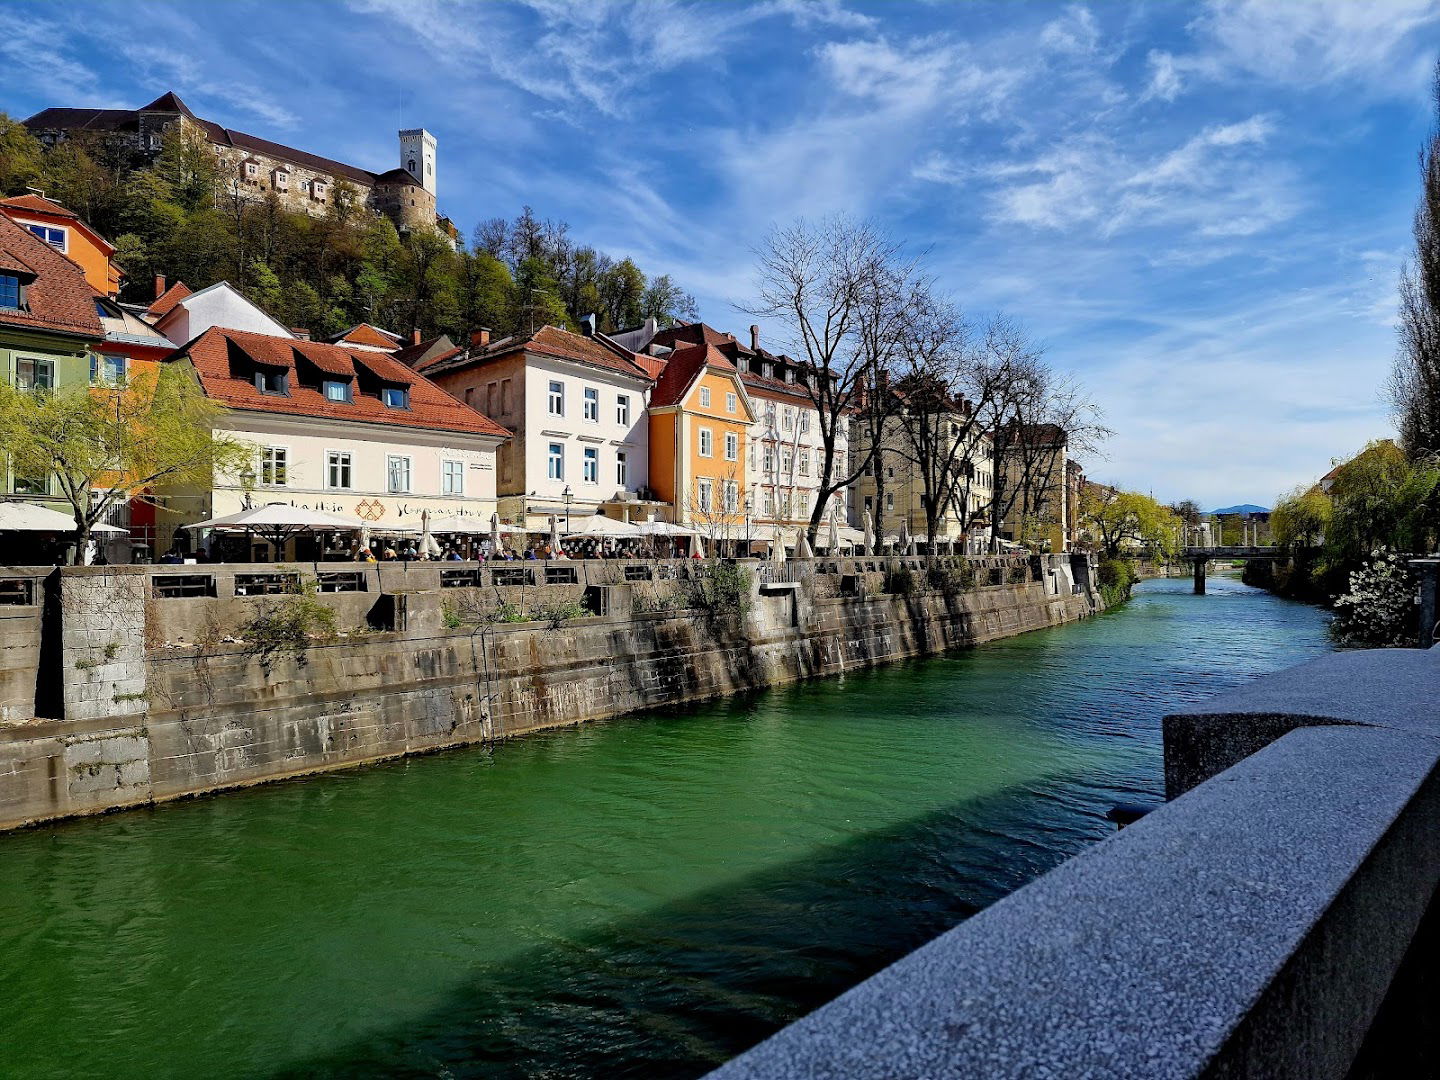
[(567, 495)]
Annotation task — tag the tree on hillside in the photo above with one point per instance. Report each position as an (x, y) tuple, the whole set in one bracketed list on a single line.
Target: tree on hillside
[(105, 447), (21, 156), (1414, 386)]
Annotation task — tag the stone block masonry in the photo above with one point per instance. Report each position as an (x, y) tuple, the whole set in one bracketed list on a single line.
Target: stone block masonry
[(197, 711)]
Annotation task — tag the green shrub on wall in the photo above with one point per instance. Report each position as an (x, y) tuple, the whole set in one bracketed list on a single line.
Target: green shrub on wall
[(289, 626), (1116, 578), (720, 589)]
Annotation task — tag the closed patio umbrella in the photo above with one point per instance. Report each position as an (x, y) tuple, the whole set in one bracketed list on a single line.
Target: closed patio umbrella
[(834, 537), (777, 548), (902, 541), (802, 545), (554, 536), (428, 546), (869, 534)]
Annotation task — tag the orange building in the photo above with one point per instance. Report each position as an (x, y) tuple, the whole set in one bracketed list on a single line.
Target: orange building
[(699, 418), (63, 230)]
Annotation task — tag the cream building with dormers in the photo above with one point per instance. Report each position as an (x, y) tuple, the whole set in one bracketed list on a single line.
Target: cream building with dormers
[(576, 406), (341, 430)]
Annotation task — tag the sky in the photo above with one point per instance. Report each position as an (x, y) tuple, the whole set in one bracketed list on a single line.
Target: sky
[(1201, 210)]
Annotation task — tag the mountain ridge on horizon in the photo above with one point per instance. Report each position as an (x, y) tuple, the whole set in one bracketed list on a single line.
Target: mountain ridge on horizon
[(1239, 508)]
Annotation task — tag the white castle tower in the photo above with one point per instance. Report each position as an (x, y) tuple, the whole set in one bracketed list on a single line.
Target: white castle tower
[(417, 156)]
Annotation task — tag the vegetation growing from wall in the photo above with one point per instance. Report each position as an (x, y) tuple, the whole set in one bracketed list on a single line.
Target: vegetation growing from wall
[(720, 589), (1378, 609), (178, 217), (1116, 577), (289, 626)]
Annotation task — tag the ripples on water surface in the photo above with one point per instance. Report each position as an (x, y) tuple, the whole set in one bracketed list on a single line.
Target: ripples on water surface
[(643, 897)]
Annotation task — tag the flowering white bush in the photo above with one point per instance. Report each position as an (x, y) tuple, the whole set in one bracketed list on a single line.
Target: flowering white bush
[(1379, 609)]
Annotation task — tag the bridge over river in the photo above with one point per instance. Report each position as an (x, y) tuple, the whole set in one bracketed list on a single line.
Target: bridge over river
[(1200, 556)]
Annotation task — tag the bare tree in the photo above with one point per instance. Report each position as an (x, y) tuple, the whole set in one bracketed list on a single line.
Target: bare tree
[(837, 288), (1414, 386), (1038, 418)]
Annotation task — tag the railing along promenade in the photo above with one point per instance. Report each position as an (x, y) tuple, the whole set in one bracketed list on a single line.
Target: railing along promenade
[(1276, 918)]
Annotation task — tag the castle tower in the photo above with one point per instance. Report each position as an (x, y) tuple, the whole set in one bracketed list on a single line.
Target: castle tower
[(417, 156)]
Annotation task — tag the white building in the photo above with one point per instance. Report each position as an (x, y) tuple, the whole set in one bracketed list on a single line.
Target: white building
[(343, 430), (182, 315), (576, 407)]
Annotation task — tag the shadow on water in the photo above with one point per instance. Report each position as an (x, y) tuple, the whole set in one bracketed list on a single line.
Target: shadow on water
[(688, 985)]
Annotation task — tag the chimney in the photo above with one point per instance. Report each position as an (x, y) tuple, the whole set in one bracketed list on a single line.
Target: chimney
[(159, 286), (754, 337), (415, 336), (480, 338), (589, 325)]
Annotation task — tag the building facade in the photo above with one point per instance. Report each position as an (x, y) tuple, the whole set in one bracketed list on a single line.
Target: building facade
[(576, 407), (252, 168), (67, 233), (341, 430)]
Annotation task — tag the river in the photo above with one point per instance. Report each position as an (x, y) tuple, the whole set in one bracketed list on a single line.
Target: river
[(643, 897)]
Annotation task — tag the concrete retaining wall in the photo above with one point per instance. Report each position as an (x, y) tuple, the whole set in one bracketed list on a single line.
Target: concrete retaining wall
[(198, 710)]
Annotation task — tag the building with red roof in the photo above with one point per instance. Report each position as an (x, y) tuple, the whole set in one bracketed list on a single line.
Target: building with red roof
[(575, 404), (341, 429), (67, 233)]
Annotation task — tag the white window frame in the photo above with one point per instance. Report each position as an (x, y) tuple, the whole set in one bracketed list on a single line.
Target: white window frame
[(590, 404), (590, 465), (732, 446), (555, 398), (347, 397), (452, 476), (35, 361), (622, 468), (731, 402), (99, 376), (555, 461), (704, 397), (622, 410), (730, 495), (408, 480), (64, 244), (705, 494), (333, 461), (275, 462), (707, 442)]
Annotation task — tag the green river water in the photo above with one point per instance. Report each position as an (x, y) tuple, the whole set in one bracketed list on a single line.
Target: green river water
[(643, 897)]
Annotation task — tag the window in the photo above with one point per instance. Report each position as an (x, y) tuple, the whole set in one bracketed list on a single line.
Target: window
[(769, 504), (337, 470), (805, 421), (622, 470), (707, 442), (704, 397), (556, 462), (622, 410), (337, 390), (732, 495), (272, 381), (492, 397), (452, 477), (395, 397), (557, 399), (732, 446), (590, 407), (27, 485), (590, 466), (282, 179), (705, 489), (787, 460), (790, 375), (769, 459), (731, 402), (788, 418), (805, 502), (34, 374), (51, 235), (804, 462), (106, 369), (397, 470), (753, 453), (9, 291), (785, 504), (889, 501), (251, 169), (274, 466)]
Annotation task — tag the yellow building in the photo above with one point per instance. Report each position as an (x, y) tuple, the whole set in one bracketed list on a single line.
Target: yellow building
[(699, 416)]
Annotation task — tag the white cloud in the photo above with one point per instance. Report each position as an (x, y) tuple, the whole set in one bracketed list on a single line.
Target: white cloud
[(166, 68), (1074, 32), (1165, 82)]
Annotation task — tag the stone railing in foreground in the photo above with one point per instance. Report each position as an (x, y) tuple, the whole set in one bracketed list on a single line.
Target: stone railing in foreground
[(1277, 919)]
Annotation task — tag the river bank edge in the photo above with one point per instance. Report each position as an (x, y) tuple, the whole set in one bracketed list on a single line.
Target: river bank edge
[(202, 720)]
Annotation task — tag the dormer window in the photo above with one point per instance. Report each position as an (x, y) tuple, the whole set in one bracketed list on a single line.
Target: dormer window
[(12, 293), (395, 397), (252, 170), (272, 381), (50, 234), (282, 180), (338, 390), (318, 189)]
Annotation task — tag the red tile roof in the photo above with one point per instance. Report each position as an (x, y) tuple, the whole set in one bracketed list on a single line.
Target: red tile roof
[(697, 333), (218, 353), (685, 365), (551, 341), (59, 297), (39, 205), (365, 334), (167, 300)]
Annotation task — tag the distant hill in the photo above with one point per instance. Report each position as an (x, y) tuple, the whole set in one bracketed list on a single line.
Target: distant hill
[(1242, 508)]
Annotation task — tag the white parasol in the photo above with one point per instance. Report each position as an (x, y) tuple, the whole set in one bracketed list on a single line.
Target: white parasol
[(27, 517), (802, 545), (869, 534)]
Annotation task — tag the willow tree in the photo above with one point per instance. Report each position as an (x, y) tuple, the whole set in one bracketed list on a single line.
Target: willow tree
[(1115, 518), (107, 445)]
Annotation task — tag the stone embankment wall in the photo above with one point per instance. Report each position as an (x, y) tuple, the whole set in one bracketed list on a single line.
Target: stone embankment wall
[(161, 695)]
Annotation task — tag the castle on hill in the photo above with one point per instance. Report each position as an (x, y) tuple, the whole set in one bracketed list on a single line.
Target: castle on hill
[(251, 166)]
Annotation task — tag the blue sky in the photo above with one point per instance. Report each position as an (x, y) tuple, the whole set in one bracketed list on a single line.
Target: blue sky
[(1201, 209)]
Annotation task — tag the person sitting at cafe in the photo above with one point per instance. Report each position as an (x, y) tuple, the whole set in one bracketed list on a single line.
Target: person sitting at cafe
[(388, 554), (454, 556)]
